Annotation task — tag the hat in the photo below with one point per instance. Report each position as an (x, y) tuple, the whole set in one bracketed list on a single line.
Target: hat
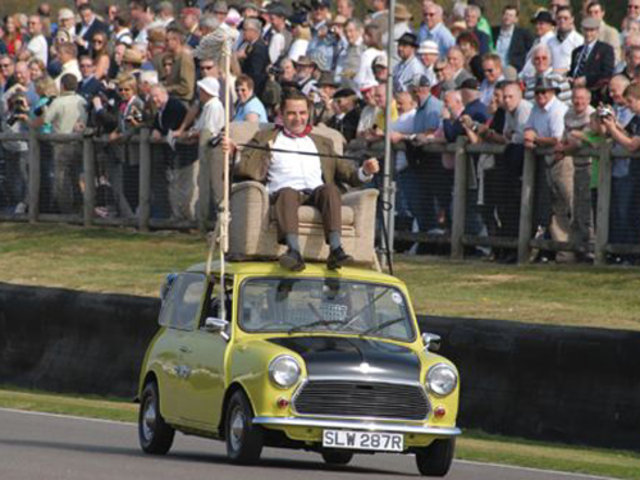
[(190, 11), (408, 39), (344, 93), (380, 61), (423, 81), (428, 46), (210, 85), (315, 4), (326, 79), (251, 6), (220, 7), (590, 23), (470, 84), (277, 8), (544, 83), (401, 12), (304, 61), (368, 85), (131, 55), (299, 18), (543, 15), (339, 20), (458, 26), (65, 14)]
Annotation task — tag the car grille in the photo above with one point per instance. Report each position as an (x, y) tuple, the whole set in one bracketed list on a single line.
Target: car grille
[(362, 399)]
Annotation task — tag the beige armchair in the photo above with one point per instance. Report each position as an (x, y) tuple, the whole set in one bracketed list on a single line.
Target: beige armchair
[(253, 231)]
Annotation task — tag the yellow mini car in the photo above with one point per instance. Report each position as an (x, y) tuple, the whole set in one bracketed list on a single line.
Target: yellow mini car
[(328, 361)]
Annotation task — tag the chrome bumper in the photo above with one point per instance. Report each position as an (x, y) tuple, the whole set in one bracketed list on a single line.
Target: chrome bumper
[(356, 425)]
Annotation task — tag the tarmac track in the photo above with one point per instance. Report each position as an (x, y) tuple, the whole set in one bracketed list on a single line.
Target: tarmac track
[(36, 446)]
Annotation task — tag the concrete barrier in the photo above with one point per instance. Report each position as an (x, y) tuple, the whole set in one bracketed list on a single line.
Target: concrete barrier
[(575, 385)]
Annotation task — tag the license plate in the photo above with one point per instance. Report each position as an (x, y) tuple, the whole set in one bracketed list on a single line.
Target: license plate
[(388, 442)]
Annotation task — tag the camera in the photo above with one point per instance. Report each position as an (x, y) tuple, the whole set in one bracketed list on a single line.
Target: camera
[(605, 111), (134, 116), (275, 70), (18, 106)]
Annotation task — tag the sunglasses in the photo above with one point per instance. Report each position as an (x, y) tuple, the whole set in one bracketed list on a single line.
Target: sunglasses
[(97, 40), (438, 70), (5, 65), (488, 70), (206, 67)]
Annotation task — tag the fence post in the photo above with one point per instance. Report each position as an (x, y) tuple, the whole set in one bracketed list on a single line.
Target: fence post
[(34, 175), (205, 156), (459, 200), (604, 205), (89, 167), (526, 205), (144, 199)]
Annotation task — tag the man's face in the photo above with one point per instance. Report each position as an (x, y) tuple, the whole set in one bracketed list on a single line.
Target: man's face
[(380, 95), (244, 92), (352, 33), (112, 12), (405, 51), (189, 21), (86, 15), (580, 100), (557, 3), (303, 71), (455, 59), (126, 92), (369, 96), (66, 23), (471, 18), (158, 97), (453, 104), (6, 67), (344, 8), (633, 58), (208, 68), (492, 71), (543, 97), (344, 104), (249, 34), (23, 77), (173, 42), (295, 115), (565, 21), (511, 97), (443, 72), (404, 102), (319, 14), (597, 12), (544, 27), (428, 59), (380, 73), (432, 16), (34, 25), (590, 34), (633, 8), (541, 61), (633, 104), (616, 90), (86, 67), (509, 17)]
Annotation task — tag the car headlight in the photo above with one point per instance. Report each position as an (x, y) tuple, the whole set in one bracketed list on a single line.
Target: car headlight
[(284, 371), (441, 379)]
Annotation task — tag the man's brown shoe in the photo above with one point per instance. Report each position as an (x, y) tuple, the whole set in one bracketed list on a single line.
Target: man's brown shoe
[(338, 258), (292, 260)]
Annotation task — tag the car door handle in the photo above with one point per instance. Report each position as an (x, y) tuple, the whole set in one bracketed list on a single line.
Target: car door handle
[(185, 349)]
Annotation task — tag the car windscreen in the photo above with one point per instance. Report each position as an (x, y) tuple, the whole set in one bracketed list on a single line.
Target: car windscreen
[(325, 305)]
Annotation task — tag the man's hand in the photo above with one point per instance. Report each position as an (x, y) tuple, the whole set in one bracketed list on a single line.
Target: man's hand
[(228, 145), (580, 82), (371, 166), (396, 137), (156, 135)]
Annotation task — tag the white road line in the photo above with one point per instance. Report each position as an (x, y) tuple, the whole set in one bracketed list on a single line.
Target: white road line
[(72, 417), (538, 470)]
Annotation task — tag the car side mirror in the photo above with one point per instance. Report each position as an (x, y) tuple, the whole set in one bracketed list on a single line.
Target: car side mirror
[(216, 325), (431, 341)]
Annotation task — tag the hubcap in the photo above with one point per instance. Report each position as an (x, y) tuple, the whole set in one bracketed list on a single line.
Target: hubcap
[(236, 428), (149, 419)]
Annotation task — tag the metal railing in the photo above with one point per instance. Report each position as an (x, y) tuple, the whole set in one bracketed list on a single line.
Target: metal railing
[(455, 237)]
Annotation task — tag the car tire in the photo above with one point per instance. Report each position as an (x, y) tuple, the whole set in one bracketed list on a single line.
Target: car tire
[(336, 458), (154, 434), (244, 439), (435, 460)]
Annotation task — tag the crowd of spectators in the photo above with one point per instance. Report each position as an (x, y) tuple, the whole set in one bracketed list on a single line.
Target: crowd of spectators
[(562, 79)]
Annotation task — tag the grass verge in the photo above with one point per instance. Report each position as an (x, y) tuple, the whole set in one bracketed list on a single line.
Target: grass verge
[(473, 445), (125, 261)]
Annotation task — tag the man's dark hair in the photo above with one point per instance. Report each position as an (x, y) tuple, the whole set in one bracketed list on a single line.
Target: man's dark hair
[(511, 7), (141, 4), (245, 80), (595, 3), (84, 6), (564, 8), (69, 82), (293, 94)]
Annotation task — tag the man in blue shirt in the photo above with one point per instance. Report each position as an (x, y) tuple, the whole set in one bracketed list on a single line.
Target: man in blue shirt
[(433, 28)]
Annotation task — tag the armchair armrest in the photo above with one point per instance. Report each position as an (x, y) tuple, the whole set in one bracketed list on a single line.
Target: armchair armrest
[(363, 203)]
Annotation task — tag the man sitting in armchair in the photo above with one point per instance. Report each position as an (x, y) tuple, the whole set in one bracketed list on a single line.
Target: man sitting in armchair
[(308, 178)]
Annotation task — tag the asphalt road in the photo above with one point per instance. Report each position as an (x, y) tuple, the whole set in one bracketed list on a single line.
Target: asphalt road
[(37, 446)]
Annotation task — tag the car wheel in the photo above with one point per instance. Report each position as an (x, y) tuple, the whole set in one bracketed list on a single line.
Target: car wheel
[(155, 435), (435, 460), (336, 458), (244, 439)]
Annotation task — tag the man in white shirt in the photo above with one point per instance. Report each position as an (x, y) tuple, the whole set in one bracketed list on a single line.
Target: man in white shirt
[(301, 169), (410, 69), (565, 41), (492, 68), (428, 54), (545, 128), (67, 53), (37, 46)]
